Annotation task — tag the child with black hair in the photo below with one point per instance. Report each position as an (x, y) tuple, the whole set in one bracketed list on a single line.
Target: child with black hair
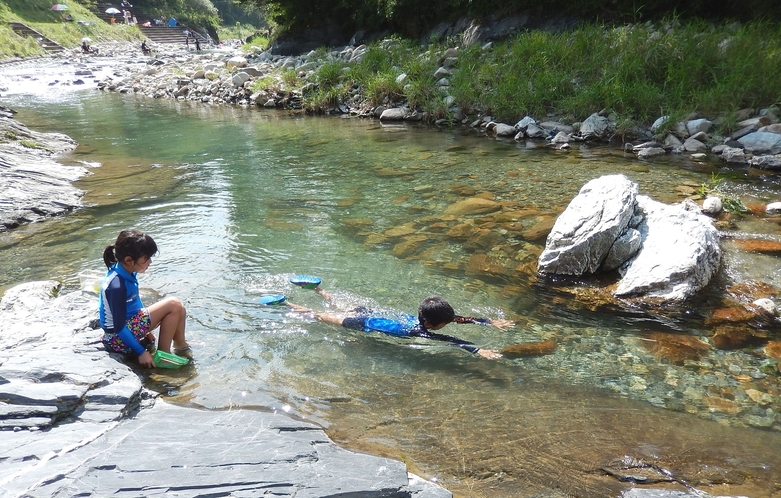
[(127, 324), (433, 314)]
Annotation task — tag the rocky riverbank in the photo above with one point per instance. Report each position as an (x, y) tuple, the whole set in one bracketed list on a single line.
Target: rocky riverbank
[(34, 185), (257, 79)]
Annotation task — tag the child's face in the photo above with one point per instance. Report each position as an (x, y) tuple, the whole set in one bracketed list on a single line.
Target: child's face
[(139, 265), (434, 327)]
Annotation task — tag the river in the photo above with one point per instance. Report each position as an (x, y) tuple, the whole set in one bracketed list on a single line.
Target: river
[(239, 200)]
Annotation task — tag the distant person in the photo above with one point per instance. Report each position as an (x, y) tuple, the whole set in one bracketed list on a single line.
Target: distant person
[(86, 48), (145, 48), (127, 324), (197, 44), (172, 23), (433, 314)]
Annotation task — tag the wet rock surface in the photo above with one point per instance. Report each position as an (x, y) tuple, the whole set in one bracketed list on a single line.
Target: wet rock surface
[(34, 185), (76, 421)]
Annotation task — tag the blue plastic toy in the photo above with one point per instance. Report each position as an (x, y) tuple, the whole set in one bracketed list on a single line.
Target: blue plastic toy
[(273, 299), (306, 281)]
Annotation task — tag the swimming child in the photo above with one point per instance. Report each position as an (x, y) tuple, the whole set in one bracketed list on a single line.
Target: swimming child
[(433, 314), (127, 324)]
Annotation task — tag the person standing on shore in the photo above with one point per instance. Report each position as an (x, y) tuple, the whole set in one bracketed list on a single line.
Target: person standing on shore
[(127, 324)]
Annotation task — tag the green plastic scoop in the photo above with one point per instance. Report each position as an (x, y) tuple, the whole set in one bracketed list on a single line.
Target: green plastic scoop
[(168, 360)]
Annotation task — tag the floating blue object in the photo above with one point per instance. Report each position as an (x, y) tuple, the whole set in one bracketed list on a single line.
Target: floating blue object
[(306, 281), (273, 299)]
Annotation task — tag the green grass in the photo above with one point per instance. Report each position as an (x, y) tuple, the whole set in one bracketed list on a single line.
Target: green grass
[(38, 15), (638, 72), (250, 35)]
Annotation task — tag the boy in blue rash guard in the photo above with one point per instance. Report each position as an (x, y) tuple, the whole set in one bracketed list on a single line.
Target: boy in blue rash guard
[(433, 314), (127, 324)]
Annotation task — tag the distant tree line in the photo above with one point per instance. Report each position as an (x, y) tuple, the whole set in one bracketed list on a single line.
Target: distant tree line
[(415, 17)]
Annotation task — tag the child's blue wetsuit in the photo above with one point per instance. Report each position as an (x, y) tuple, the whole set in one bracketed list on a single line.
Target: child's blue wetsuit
[(408, 326), (118, 302)]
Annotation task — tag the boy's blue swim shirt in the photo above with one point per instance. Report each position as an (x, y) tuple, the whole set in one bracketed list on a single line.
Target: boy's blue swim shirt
[(407, 326), (118, 302)]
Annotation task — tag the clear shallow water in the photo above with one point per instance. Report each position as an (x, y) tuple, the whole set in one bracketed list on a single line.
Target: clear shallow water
[(239, 200)]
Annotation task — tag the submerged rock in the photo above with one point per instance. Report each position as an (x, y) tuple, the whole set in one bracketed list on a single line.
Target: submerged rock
[(529, 349), (759, 246), (676, 348), (471, 206)]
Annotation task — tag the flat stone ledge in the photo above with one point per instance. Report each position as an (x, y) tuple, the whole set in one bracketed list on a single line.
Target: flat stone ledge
[(170, 450)]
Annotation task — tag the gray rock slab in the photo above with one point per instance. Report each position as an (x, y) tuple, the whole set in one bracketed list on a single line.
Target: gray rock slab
[(34, 184), (25, 411), (595, 126), (393, 114), (762, 142), (169, 450), (772, 162), (120, 392), (30, 422), (666, 493)]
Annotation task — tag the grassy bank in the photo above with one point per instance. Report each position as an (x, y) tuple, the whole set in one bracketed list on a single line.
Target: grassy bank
[(38, 15), (638, 72)]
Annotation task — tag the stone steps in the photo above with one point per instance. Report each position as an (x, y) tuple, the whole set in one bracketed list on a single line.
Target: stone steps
[(165, 34), (25, 30)]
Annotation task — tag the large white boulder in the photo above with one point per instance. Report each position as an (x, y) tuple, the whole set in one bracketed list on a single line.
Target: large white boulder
[(661, 251), (680, 252), (584, 233)]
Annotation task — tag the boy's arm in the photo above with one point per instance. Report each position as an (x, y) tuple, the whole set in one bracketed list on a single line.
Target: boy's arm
[(455, 341), (324, 294), (459, 343), (499, 323)]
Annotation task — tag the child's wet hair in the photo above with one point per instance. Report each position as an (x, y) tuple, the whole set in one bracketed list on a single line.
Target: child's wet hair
[(130, 242), (435, 310)]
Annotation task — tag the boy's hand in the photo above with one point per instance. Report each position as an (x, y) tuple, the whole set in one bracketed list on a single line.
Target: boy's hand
[(489, 354), (324, 294), (146, 360), (502, 324)]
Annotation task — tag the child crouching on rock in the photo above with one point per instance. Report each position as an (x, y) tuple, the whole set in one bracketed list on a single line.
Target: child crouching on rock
[(127, 324)]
